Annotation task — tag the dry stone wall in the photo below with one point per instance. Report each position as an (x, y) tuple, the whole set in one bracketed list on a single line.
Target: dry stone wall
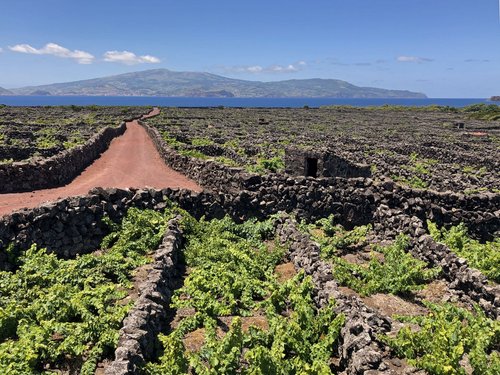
[(138, 340), (481, 212), (16, 153), (360, 350), (353, 200), (74, 225), (468, 285), (209, 174), (57, 170)]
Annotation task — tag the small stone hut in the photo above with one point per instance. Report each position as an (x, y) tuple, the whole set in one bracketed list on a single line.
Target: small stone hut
[(322, 163)]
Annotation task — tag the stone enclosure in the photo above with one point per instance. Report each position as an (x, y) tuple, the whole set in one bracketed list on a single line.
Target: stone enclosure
[(45, 147), (349, 176)]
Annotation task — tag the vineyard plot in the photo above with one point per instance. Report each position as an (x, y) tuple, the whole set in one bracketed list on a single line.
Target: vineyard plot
[(414, 300), (274, 296), (242, 309), (416, 147), (283, 298), (401, 278), (59, 315), (42, 132)]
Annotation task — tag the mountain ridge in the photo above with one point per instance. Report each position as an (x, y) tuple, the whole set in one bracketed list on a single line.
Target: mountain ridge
[(164, 82), (5, 91)]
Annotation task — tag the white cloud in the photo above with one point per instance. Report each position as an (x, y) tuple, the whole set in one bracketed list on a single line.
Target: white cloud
[(413, 59), (336, 62), (25, 48), (477, 61), (284, 69), (257, 69), (54, 49), (253, 69), (129, 58)]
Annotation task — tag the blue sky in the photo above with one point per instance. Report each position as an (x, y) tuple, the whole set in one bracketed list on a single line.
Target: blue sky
[(444, 48)]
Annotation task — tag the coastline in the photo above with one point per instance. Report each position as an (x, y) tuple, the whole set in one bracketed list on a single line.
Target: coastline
[(230, 102)]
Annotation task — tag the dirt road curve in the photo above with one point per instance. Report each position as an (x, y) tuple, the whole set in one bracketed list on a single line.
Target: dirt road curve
[(130, 161)]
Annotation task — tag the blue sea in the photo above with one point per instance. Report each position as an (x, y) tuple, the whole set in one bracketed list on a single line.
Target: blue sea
[(226, 102)]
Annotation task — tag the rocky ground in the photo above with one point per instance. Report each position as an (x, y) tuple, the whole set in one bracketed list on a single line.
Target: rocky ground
[(439, 149), (401, 281), (27, 132)]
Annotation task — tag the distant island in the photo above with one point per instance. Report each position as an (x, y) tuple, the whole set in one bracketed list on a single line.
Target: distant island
[(495, 98), (5, 91), (164, 82)]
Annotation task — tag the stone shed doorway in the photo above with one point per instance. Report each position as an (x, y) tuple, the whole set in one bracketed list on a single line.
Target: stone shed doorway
[(311, 168)]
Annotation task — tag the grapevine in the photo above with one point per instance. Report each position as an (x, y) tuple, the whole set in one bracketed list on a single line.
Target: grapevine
[(55, 311)]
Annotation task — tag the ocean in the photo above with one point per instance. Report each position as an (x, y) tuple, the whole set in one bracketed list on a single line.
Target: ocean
[(227, 102)]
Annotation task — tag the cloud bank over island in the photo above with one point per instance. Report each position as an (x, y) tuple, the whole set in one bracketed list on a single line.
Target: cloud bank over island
[(258, 69), (83, 57), (54, 49), (129, 58)]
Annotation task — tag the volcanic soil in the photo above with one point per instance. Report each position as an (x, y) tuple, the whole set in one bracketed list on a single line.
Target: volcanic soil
[(131, 161)]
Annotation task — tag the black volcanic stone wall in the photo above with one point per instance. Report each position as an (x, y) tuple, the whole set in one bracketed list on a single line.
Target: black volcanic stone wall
[(57, 170), (353, 200), (71, 226), (74, 225), (480, 212), (329, 164), (435, 150), (209, 174), (16, 153), (138, 341), (360, 351), (468, 285)]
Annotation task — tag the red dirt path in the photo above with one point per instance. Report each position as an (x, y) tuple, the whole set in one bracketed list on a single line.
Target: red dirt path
[(130, 161)]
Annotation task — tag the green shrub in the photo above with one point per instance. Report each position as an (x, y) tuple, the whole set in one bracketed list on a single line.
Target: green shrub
[(232, 273), (54, 310), (333, 238), (202, 142), (399, 273), (445, 336), (263, 165), (73, 141), (485, 257), (227, 161), (193, 154), (414, 181), (172, 141), (487, 112), (47, 142)]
